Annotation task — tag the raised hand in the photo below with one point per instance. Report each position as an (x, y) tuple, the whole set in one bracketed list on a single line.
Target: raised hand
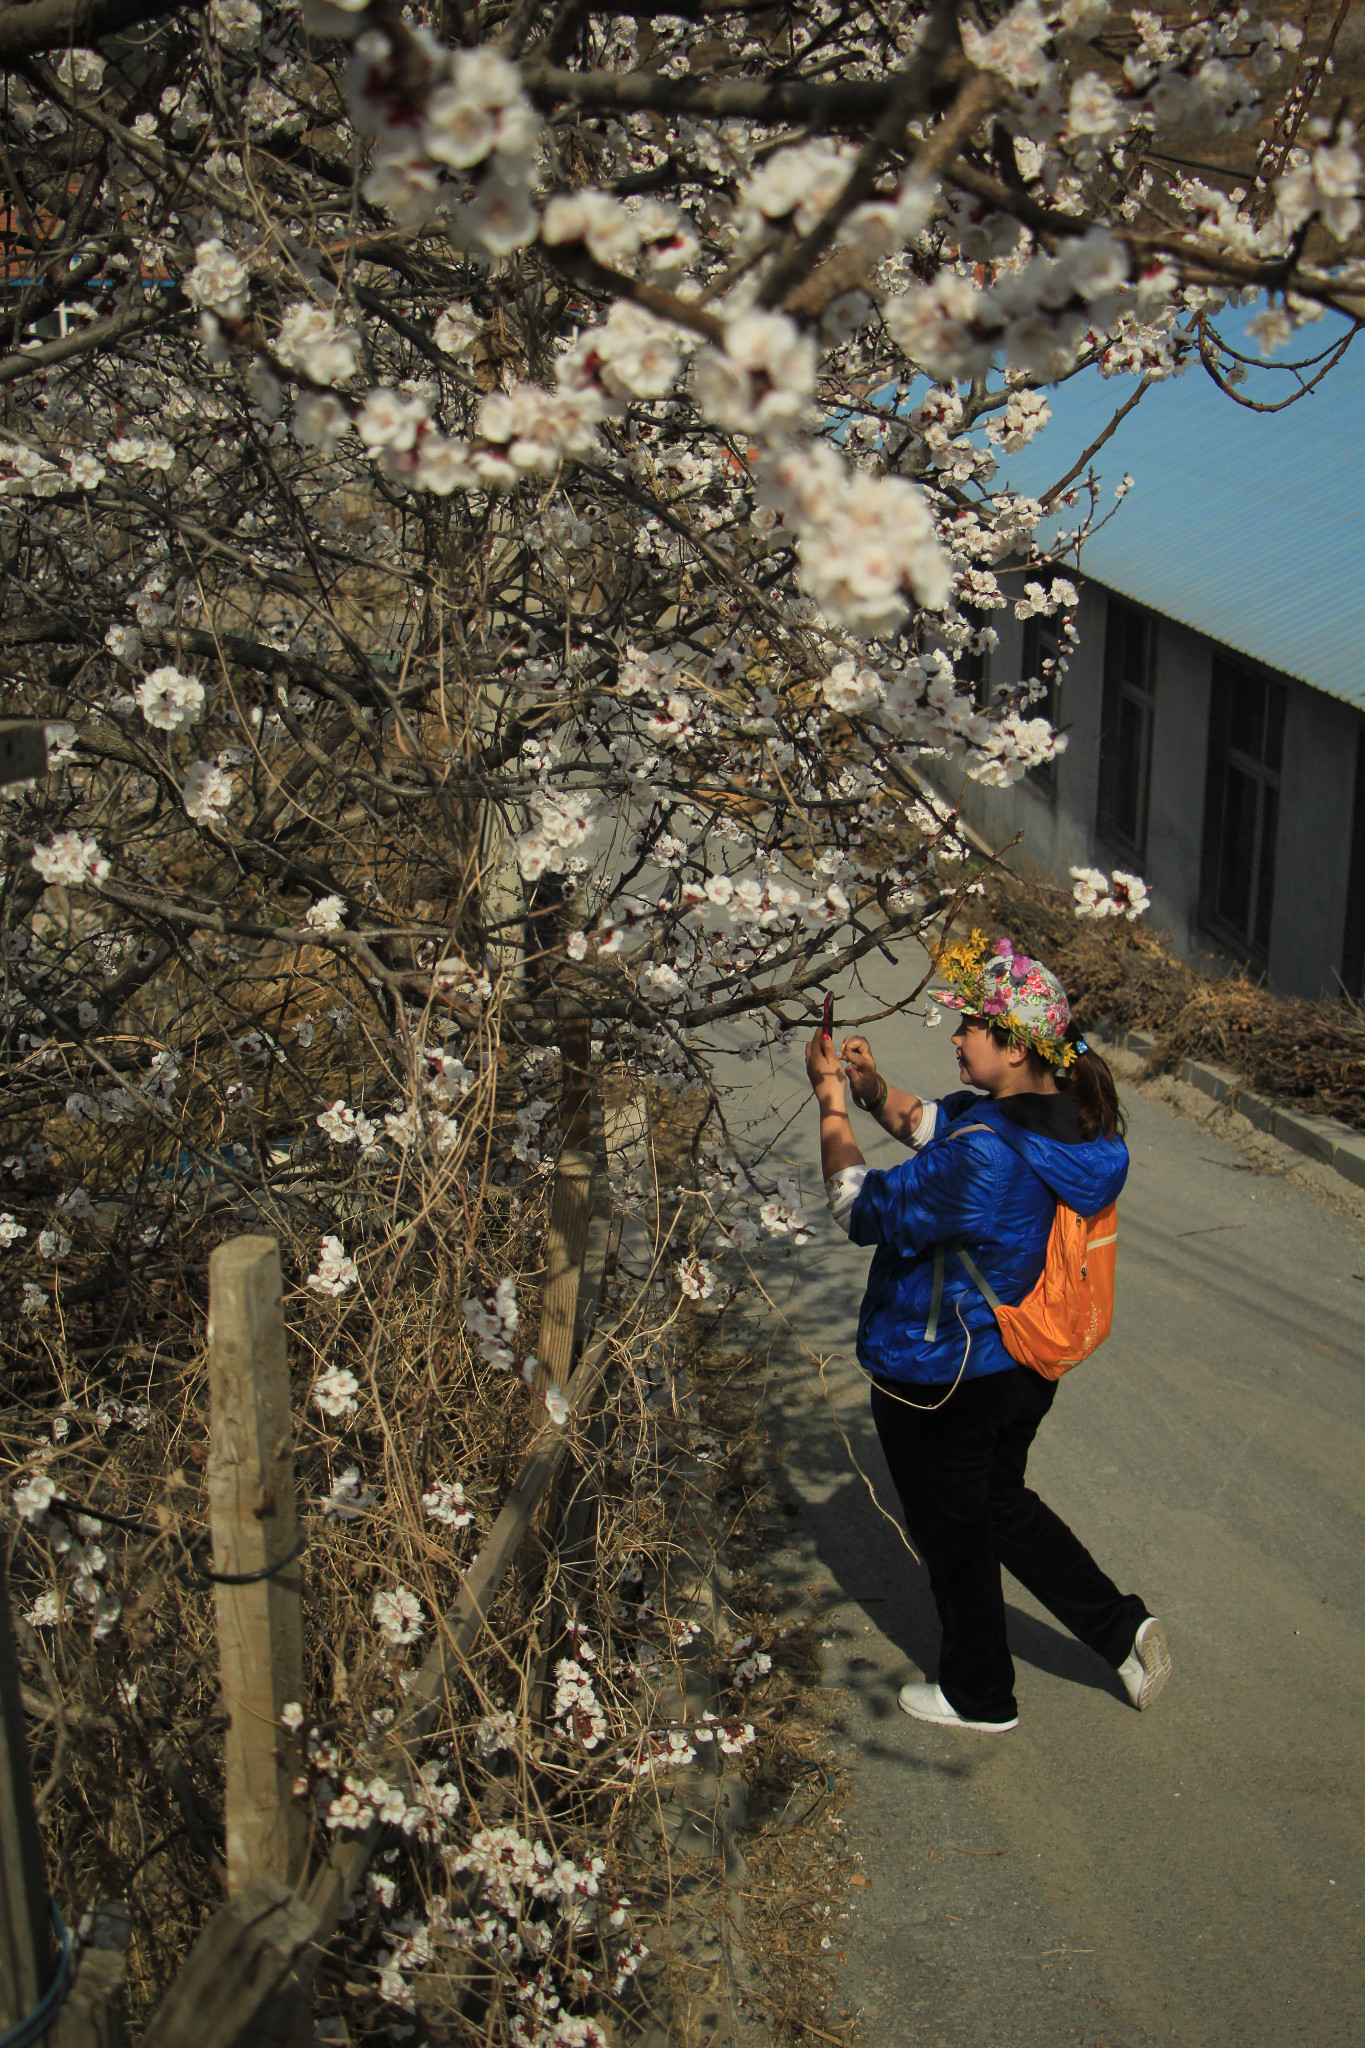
[(825, 1070), (861, 1068)]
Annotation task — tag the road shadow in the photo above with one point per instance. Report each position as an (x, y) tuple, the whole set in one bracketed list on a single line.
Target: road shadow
[(849, 1524)]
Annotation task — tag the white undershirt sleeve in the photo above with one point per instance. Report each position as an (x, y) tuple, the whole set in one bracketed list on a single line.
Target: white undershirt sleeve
[(928, 1124), (841, 1192), (843, 1188)]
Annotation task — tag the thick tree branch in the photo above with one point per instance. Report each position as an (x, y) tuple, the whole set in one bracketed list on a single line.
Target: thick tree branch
[(843, 104), (86, 340), (42, 25)]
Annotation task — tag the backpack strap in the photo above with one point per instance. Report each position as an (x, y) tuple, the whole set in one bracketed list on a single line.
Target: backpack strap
[(993, 1301), (936, 1299), (973, 1270)]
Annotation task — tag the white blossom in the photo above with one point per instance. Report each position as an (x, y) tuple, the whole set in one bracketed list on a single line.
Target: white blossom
[(345, 1811), (1327, 185), (576, 1708), (33, 1496), (445, 1502), (334, 1392), (311, 340), (1015, 48), (320, 421), (399, 1616), (403, 182), (496, 1731), (557, 1405), (660, 983), (493, 1318), (219, 281), (602, 223), (70, 861), (456, 330), (1118, 895), (695, 1278), (325, 915), (389, 421), (335, 1271), (80, 67), (528, 429), (61, 742), (349, 1498), (632, 354), (207, 792), (850, 689), (761, 381), (236, 23), (1093, 108), (346, 1126), (169, 700)]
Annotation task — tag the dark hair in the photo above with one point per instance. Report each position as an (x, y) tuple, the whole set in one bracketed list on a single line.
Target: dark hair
[(1088, 1081)]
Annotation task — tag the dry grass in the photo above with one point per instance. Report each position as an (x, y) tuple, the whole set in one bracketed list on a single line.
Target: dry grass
[(105, 1394)]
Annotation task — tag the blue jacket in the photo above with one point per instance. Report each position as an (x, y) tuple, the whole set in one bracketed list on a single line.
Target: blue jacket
[(998, 1198)]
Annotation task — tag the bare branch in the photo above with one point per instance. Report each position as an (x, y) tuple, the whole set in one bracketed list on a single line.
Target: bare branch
[(40, 25)]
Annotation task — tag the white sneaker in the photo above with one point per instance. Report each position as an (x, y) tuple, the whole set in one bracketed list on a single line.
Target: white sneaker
[(1148, 1664), (927, 1703)]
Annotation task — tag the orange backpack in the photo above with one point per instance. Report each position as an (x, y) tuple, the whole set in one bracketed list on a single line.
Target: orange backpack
[(1071, 1308)]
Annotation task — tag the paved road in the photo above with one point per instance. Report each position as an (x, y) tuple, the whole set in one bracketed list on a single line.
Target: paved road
[(1194, 1874)]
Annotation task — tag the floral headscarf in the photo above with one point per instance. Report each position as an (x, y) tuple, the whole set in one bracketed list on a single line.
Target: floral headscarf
[(1007, 989)]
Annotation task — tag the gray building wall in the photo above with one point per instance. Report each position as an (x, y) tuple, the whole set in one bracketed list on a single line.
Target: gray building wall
[(1058, 827), (1317, 798), (1183, 681)]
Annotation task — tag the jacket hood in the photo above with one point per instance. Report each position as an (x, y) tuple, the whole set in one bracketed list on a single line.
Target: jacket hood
[(1084, 1176)]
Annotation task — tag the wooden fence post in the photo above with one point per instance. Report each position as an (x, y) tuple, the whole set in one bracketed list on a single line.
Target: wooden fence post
[(23, 750), (91, 2014), (565, 1241), (28, 1955), (575, 1035), (251, 1504)]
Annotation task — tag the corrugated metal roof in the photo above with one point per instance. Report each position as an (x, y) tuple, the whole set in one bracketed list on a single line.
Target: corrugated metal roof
[(1247, 526)]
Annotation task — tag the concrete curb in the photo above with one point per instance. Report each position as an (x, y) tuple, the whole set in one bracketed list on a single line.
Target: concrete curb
[(1319, 1137)]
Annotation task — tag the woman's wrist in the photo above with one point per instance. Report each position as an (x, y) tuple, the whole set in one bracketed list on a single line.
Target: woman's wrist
[(878, 1101)]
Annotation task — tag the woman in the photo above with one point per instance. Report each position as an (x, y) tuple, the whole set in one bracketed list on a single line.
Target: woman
[(1039, 1123)]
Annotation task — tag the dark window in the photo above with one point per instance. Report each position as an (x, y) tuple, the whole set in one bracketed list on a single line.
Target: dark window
[(1126, 729), (1353, 947), (974, 670), (1041, 663), (1242, 805)]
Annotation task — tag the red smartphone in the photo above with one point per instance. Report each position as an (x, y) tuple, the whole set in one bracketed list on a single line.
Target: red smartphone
[(827, 1021)]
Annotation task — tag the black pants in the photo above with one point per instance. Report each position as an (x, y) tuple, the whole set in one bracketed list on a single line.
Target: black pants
[(959, 1471)]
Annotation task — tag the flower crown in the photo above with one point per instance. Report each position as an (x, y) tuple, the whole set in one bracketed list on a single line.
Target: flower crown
[(1019, 996)]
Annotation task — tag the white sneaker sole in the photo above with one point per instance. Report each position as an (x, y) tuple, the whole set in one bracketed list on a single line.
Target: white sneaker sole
[(905, 1701), (1152, 1653)]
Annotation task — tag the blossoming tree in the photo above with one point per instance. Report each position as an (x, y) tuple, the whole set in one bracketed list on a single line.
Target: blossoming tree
[(500, 506), (574, 445)]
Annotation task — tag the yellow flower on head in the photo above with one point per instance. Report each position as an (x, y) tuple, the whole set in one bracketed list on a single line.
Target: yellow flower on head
[(961, 961)]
